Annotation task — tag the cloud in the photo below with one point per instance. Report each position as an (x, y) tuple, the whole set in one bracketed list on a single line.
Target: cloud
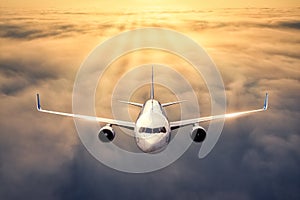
[(204, 25), (29, 32), (257, 157), (18, 75), (290, 24)]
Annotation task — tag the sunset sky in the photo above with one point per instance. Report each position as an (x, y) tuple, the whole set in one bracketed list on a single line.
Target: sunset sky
[(254, 44), (104, 5)]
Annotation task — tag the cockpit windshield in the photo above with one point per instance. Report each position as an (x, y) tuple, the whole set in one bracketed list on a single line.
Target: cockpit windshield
[(153, 130)]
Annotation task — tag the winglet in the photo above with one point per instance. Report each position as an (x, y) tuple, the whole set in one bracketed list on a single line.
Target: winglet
[(38, 101), (266, 102)]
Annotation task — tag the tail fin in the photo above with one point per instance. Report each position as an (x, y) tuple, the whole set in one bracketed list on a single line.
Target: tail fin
[(152, 86)]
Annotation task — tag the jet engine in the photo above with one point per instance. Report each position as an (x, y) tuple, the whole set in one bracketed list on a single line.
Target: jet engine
[(198, 134), (106, 133)]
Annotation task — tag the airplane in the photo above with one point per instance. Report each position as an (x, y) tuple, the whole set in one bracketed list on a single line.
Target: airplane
[(152, 129)]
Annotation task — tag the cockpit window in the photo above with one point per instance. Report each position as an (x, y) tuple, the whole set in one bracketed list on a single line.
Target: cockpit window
[(148, 130), (163, 129), (153, 130), (142, 130)]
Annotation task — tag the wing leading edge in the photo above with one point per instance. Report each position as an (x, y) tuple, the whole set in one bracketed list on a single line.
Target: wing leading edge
[(121, 123), (209, 118)]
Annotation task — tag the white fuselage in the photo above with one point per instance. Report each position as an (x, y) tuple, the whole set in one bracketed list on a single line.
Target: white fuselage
[(152, 129)]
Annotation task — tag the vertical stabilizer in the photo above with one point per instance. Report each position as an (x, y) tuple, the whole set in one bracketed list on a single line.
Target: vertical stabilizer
[(152, 86)]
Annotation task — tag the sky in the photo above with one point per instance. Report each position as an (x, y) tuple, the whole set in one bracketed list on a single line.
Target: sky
[(137, 4), (42, 45)]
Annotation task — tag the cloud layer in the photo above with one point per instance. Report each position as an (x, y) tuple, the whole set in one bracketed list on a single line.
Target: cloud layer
[(257, 157)]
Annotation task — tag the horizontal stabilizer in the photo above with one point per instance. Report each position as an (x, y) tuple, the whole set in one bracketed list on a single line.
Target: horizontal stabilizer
[(132, 103), (172, 103)]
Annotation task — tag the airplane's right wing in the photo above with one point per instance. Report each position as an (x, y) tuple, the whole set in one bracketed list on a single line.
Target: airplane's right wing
[(121, 123), (187, 122)]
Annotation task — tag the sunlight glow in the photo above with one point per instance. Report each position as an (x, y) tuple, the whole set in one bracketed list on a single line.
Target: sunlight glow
[(136, 5)]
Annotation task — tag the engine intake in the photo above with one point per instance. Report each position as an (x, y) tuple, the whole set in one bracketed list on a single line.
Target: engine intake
[(106, 134), (198, 134)]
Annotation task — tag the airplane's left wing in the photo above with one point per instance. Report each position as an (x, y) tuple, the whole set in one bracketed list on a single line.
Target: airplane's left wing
[(177, 124), (121, 123)]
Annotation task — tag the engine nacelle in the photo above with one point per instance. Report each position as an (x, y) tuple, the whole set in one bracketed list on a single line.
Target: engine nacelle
[(198, 134), (106, 134)]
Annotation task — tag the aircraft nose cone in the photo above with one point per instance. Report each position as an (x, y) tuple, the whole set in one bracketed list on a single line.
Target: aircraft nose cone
[(153, 143)]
